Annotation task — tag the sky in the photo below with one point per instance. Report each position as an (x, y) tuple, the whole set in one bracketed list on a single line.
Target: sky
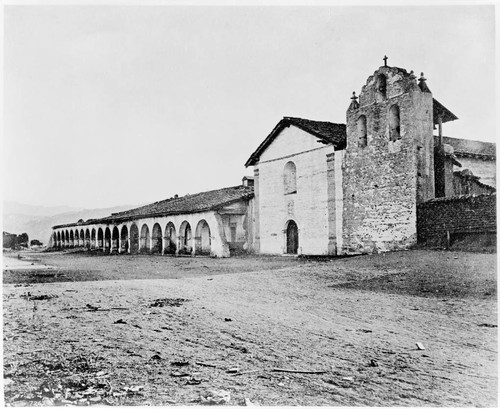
[(107, 105)]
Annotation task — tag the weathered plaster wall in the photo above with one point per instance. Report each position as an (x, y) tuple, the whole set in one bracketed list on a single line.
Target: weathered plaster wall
[(308, 207), (383, 180)]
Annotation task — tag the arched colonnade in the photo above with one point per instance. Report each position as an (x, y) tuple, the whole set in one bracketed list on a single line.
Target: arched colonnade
[(195, 234)]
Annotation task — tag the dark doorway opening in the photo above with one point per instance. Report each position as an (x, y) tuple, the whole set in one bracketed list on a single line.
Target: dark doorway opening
[(292, 238)]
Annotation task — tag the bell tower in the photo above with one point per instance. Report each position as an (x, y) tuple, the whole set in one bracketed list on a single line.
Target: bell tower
[(389, 161)]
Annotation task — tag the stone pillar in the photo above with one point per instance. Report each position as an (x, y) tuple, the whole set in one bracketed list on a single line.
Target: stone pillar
[(193, 237), (179, 241), (150, 250), (332, 208), (256, 212)]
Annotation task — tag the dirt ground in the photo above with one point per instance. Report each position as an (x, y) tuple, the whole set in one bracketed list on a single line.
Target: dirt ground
[(81, 329)]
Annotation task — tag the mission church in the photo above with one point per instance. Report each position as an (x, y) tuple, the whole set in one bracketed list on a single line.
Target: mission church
[(319, 188)]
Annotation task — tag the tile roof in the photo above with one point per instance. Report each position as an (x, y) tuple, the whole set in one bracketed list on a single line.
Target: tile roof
[(439, 109), (460, 198), (468, 175), (326, 132), (195, 203), (468, 148)]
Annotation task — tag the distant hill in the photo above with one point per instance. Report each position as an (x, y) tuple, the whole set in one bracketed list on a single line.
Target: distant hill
[(21, 208), (40, 219)]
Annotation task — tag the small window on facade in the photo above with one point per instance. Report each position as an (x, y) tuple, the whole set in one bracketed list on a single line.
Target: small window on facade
[(362, 133), (381, 85), (290, 178), (394, 124)]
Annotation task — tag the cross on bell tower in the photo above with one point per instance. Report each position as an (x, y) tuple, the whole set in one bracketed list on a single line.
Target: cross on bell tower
[(385, 60)]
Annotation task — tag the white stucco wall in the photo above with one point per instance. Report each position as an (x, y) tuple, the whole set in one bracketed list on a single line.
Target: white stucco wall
[(308, 207)]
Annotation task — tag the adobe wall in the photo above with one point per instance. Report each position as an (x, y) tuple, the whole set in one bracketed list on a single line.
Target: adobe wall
[(384, 180), (308, 207), (438, 220)]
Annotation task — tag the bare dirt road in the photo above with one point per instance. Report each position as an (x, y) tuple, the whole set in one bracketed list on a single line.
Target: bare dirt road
[(152, 330)]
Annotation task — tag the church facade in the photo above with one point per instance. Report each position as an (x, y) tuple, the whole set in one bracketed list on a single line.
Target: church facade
[(319, 188), (334, 189)]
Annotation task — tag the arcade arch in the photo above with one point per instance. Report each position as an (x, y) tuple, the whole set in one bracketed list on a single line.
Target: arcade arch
[(170, 239), (145, 239), (134, 238), (157, 239), (203, 241), (100, 238), (185, 238), (115, 239), (124, 239)]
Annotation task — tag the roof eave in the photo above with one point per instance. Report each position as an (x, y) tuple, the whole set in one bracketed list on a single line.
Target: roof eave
[(481, 156), (443, 112), (254, 157), (285, 123), (110, 220)]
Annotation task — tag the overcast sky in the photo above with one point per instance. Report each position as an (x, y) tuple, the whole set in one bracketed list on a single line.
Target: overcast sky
[(111, 105)]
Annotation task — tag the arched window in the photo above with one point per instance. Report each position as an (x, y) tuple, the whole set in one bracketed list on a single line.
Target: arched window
[(394, 124), (381, 85), (290, 178), (362, 133)]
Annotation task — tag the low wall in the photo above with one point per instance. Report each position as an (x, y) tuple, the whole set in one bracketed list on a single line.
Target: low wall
[(443, 220)]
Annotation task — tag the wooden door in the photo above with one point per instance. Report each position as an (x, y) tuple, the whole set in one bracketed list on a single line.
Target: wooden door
[(292, 238)]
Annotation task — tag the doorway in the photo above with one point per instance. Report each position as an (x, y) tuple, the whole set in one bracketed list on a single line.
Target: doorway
[(292, 238)]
